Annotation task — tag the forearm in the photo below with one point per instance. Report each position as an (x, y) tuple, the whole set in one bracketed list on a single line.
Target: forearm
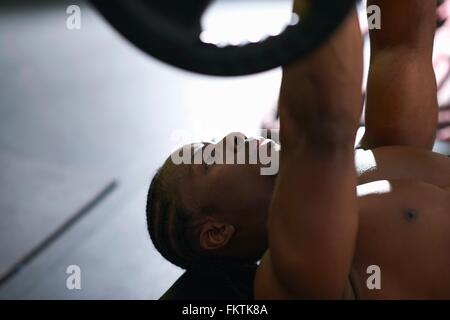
[(401, 106), (326, 84), (405, 23)]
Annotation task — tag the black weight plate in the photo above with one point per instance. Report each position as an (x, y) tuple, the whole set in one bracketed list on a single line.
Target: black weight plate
[(180, 46)]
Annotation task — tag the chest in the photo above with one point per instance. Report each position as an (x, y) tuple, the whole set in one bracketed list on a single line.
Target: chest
[(404, 232)]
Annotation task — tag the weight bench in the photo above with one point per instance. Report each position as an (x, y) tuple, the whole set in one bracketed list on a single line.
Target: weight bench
[(198, 286)]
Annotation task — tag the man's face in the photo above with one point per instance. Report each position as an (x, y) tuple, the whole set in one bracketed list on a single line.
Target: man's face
[(237, 193)]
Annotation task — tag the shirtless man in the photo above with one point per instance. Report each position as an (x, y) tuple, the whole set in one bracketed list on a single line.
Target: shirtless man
[(322, 234), (325, 224)]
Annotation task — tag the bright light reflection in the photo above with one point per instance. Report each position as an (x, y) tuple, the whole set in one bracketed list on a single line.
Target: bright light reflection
[(236, 23)]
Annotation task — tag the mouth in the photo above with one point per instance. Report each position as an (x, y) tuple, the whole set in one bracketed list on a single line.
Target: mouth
[(261, 141)]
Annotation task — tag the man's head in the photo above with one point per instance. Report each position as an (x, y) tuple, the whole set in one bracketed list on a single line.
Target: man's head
[(208, 210)]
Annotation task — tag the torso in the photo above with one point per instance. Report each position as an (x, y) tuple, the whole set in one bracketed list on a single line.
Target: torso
[(404, 226)]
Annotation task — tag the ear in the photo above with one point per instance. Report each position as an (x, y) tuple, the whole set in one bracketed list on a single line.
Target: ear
[(215, 235)]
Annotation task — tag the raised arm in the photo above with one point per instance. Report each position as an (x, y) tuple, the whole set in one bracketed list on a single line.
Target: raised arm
[(313, 219)]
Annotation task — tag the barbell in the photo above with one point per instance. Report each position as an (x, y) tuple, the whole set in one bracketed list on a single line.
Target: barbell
[(170, 30)]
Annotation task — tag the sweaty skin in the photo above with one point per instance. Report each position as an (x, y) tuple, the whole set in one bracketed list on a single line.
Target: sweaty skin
[(327, 225)]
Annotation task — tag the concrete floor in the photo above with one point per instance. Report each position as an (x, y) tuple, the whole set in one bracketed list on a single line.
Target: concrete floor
[(89, 103)]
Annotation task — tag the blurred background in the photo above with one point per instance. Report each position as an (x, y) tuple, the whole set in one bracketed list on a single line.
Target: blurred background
[(85, 121)]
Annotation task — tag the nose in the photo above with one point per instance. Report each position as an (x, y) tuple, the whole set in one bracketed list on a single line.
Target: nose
[(234, 137), (233, 140)]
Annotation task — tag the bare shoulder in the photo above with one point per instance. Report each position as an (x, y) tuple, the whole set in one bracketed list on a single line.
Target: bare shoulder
[(402, 163)]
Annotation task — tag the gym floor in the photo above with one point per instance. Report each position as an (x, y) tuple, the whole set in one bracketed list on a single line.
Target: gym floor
[(85, 120)]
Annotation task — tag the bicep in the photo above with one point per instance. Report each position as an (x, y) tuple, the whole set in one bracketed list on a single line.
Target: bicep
[(313, 224)]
